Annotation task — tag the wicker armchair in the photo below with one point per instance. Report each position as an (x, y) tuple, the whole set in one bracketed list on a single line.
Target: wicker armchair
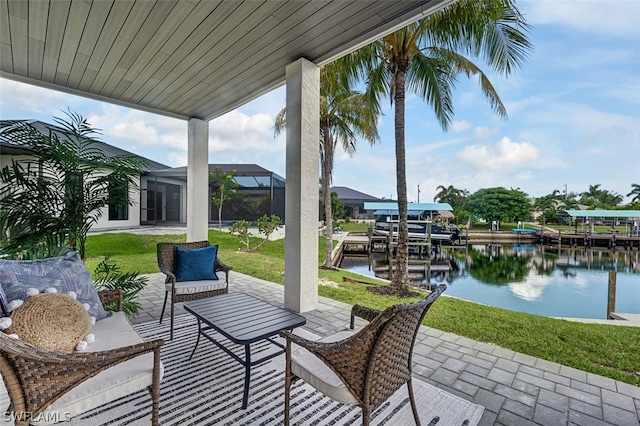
[(36, 378), (190, 290), (364, 367)]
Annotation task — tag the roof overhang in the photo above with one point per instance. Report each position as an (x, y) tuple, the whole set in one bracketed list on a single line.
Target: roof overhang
[(185, 59)]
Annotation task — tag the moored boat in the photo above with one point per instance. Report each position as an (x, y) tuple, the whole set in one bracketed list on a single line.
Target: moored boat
[(419, 224)]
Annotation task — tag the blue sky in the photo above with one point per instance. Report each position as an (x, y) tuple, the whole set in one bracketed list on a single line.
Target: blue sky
[(574, 118)]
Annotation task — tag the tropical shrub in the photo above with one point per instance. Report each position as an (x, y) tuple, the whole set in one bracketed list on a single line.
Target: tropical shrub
[(108, 276), (53, 195), (267, 225)]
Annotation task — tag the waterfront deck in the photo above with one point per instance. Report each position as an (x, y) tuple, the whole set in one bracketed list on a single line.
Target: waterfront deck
[(355, 243), (608, 241), (612, 241), (361, 244)]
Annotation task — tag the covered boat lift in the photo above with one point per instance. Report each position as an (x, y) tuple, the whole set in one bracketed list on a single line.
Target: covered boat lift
[(592, 215), (630, 239)]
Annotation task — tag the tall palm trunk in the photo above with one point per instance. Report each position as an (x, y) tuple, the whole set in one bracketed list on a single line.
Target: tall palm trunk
[(327, 168), (400, 276)]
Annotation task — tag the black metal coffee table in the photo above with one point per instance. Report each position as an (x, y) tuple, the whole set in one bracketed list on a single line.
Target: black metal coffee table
[(243, 320)]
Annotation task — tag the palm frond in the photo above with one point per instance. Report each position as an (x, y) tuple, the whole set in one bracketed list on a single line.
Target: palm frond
[(55, 196), (433, 78), (110, 277)]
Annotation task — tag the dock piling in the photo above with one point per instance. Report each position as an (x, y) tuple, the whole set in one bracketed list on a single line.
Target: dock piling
[(611, 301)]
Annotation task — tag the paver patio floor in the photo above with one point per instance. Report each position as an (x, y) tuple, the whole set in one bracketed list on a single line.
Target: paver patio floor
[(514, 388)]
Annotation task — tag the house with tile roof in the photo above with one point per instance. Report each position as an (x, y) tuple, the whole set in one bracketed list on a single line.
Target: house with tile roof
[(354, 202)]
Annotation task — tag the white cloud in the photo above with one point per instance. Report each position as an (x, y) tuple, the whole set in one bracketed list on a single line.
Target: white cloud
[(141, 128), (341, 155), (587, 126), (237, 130), (483, 132), (504, 155), (236, 137), (136, 130), (24, 101), (176, 159), (615, 17), (416, 152), (460, 126), (153, 136), (627, 93), (427, 189), (371, 170)]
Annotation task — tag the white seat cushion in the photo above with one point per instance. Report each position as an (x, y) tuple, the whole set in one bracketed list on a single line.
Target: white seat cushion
[(115, 382), (315, 372), (190, 287)]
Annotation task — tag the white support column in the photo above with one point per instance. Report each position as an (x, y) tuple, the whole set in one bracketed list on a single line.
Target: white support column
[(198, 180), (302, 168)]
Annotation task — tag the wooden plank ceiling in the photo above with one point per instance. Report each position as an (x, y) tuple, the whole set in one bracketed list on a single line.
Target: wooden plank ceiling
[(184, 58)]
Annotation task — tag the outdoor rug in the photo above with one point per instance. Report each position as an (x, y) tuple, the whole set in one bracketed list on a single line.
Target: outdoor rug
[(207, 390)]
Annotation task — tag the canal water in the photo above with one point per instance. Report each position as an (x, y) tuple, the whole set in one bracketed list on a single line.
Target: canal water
[(528, 278)]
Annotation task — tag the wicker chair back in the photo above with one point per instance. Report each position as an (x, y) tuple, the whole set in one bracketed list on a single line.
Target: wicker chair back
[(374, 362), (166, 263), (391, 356)]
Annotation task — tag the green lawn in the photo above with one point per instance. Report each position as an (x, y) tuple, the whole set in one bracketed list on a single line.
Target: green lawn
[(610, 351)]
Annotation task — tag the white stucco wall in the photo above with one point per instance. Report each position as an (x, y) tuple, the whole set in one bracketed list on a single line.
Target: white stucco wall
[(103, 222), (134, 213)]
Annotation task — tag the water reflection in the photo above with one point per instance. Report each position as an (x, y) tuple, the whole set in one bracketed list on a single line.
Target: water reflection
[(537, 279), (497, 265), (530, 290)]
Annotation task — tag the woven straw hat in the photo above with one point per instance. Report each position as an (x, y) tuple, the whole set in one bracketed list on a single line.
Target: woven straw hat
[(53, 321)]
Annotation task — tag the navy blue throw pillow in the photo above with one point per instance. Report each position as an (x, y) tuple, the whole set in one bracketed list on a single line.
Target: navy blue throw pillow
[(195, 264)]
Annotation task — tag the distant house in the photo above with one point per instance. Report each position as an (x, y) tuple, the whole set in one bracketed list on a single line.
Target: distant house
[(354, 202), (162, 189)]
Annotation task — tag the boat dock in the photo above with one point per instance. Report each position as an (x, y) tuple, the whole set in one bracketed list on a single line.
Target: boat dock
[(612, 241), (363, 244), (355, 244)]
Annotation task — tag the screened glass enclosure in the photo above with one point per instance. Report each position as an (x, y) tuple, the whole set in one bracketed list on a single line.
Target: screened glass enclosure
[(259, 192)]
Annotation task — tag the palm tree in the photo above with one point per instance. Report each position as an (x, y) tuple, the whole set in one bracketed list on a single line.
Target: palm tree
[(568, 201), (345, 114), (600, 198), (455, 197), (426, 58), (547, 206), (590, 197), (444, 193), (452, 195), (51, 199), (635, 191)]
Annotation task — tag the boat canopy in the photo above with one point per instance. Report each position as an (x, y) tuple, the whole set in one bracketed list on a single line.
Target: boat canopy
[(395, 212), (415, 207), (624, 214)]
